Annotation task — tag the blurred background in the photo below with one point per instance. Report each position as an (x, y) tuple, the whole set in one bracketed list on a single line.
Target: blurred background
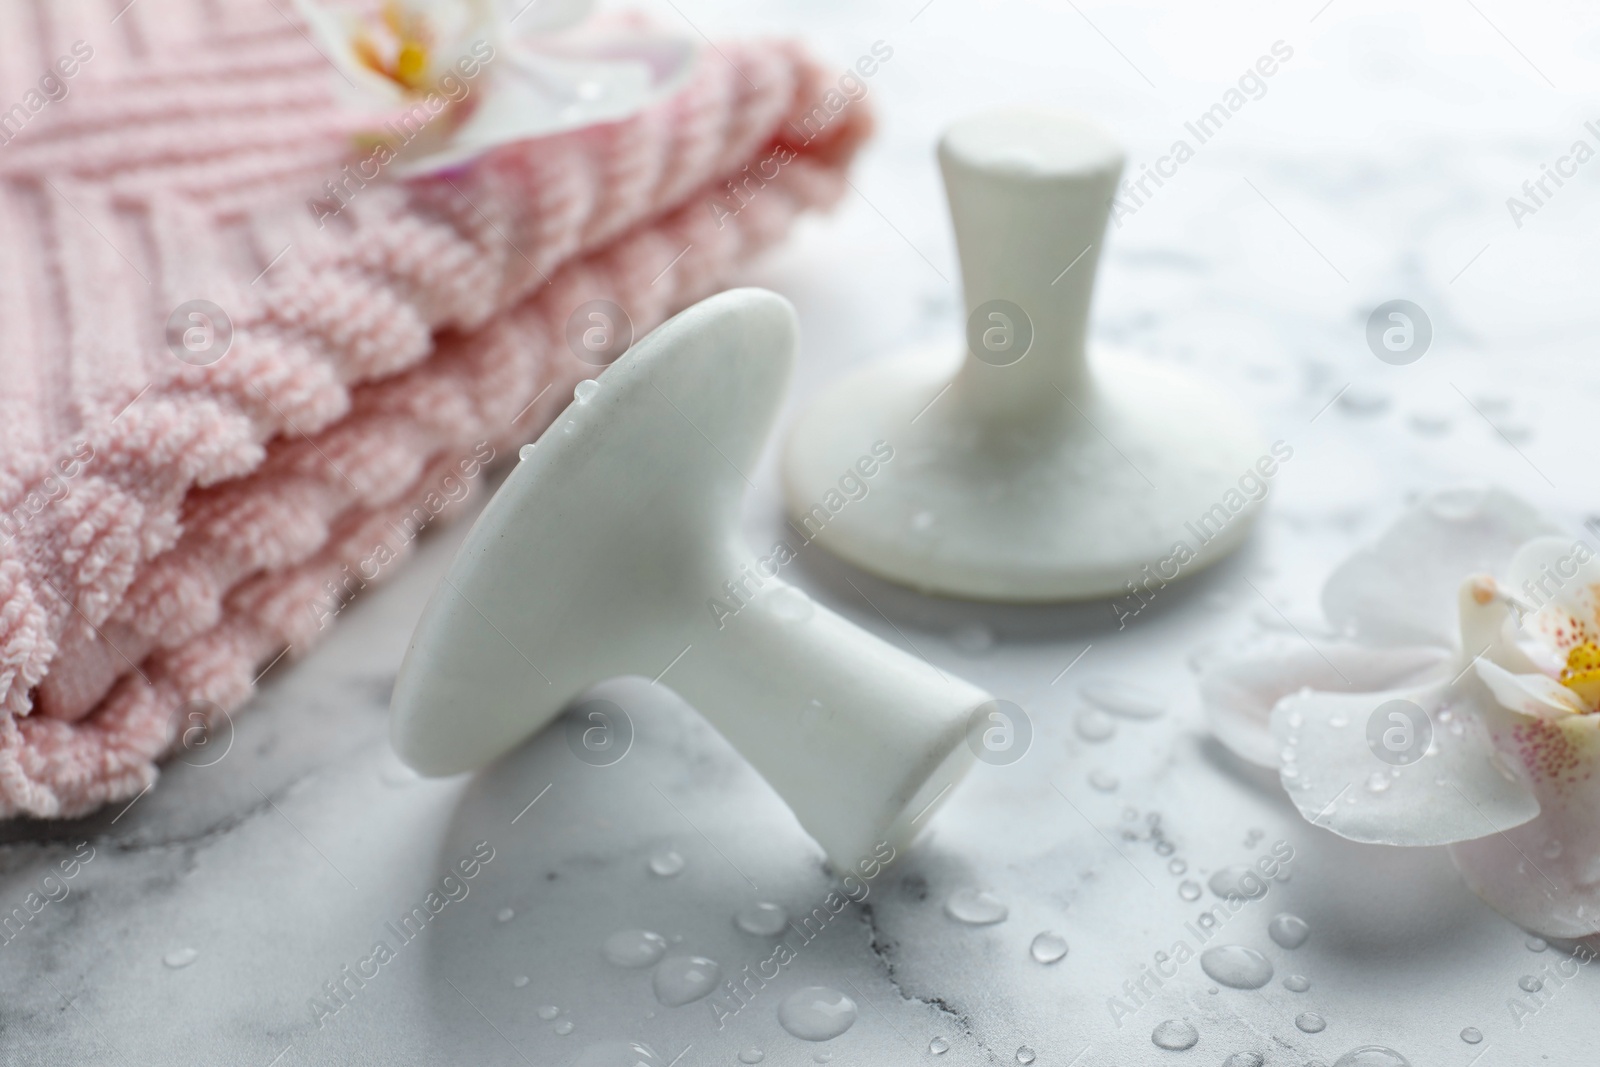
[(1377, 165)]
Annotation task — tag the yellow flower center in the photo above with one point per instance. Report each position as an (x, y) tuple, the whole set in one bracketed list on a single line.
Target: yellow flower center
[(1582, 673), (399, 49)]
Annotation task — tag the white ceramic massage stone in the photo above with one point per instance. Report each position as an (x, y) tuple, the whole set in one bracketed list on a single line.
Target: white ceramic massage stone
[(1024, 470), (601, 556)]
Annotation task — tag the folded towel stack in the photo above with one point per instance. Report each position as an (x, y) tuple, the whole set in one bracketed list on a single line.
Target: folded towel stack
[(168, 529)]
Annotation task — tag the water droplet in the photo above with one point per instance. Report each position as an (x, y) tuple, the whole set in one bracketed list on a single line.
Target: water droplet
[(1177, 866), (180, 957), (1189, 890), (584, 391), (504, 915), (751, 1055), (1472, 1035), (520, 981), (1529, 984), (1123, 698), (619, 1054), (1025, 1055), (1372, 1056), (1378, 782), (816, 1013), (1175, 1035), (1552, 849), (634, 948), (1310, 1022), (973, 639), (1537, 944), (1237, 882), (548, 1012), (1297, 983), (938, 1046), (680, 980), (564, 1027), (1244, 1059), (1165, 848), (1236, 966), (1093, 724), (525, 452), (975, 907), (1289, 931), (762, 919), (1048, 947), (789, 604), (667, 862), (1103, 780), (1338, 722), (822, 1057)]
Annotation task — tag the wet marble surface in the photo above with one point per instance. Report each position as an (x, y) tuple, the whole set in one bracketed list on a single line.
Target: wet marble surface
[(219, 910)]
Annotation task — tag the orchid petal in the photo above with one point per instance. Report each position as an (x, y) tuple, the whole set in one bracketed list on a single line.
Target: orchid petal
[(1559, 578), (1461, 789), (1545, 874), (530, 95), (1238, 697), (1537, 696), (1402, 589), (525, 17)]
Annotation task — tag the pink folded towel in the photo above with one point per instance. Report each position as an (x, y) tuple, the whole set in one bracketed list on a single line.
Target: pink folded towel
[(168, 529)]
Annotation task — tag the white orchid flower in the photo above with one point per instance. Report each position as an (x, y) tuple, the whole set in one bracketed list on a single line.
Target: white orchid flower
[(484, 73), (1481, 616)]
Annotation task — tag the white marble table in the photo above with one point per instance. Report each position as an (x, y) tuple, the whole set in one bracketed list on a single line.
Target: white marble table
[(1376, 166)]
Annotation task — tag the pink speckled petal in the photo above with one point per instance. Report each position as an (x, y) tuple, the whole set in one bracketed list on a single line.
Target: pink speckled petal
[(1545, 874)]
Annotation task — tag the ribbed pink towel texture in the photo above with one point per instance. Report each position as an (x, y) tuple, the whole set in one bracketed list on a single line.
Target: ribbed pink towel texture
[(169, 529)]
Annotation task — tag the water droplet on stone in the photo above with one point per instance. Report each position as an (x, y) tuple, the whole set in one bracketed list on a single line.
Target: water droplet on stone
[(564, 1027), (1378, 782), (973, 639), (619, 1054), (822, 1057), (1165, 848), (816, 1013), (520, 981), (667, 862), (1289, 931), (1025, 1055), (1297, 983), (548, 1012), (584, 391), (1103, 780), (634, 948), (1175, 1035), (1244, 1059), (1176, 866), (1338, 722), (1048, 947), (1472, 1035), (762, 919), (1372, 1056), (1236, 966), (1237, 881), (680, 980), (975, 907), (1310, 1022), (751, 1055), (1093, 724), (1529, 984), (180, 957), (938, 1046), (1123, 698), (1189, 890), (504, 915), (1537, 944)]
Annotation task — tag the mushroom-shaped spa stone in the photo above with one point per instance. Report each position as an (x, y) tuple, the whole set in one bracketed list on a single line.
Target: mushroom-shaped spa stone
[(605, 553), (1024, 469)]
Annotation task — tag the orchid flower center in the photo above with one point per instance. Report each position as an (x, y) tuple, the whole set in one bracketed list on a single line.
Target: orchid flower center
[(1582, 673), (398, 46)]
